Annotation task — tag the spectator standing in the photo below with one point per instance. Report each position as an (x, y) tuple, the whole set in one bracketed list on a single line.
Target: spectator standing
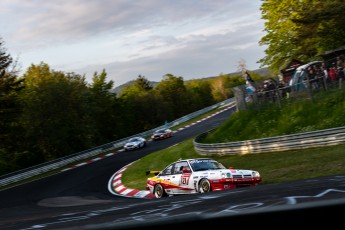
[(324, 75), (340, 62), (332, 73), (341, 76), (312, 78), (247, 77), (324, 70)]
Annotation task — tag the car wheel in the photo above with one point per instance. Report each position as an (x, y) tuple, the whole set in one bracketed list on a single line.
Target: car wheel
[(204, 186), (159, 191)]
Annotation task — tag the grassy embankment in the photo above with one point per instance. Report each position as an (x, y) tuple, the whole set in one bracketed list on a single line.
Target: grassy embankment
[(295, 116)]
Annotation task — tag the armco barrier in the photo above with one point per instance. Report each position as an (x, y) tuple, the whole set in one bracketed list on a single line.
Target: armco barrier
[(305, 140), (64, 161)]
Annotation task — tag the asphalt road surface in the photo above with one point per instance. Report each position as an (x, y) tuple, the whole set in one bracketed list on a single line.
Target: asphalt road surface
[(79, 199)]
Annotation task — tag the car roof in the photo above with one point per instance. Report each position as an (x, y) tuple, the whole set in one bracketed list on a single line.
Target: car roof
[(132, 138), (302, 67)]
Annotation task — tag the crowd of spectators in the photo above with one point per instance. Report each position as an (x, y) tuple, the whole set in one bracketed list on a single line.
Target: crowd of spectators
[(318, 75), (327, 73), (333, 69)]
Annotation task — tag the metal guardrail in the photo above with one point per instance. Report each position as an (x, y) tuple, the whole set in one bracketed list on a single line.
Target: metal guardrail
[(86, 154), (320, 138)]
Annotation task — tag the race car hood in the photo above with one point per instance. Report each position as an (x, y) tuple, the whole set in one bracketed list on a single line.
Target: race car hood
[(132, 143)]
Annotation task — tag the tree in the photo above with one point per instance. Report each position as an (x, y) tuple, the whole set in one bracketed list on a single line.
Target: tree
[(300, 30), (10, 110), (140, 105), (327, 21), (140, 86), (55, 113), (221, 87), (5, 60), (281, 31), (173, 91), (200, 94), (35, 74), (9, 82), (105, 110), (142, 83)]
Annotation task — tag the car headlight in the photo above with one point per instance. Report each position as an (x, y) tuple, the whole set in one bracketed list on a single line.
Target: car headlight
[(255, 174)]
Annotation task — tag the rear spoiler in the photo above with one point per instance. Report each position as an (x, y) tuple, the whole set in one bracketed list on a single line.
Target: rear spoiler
[(155, 172)]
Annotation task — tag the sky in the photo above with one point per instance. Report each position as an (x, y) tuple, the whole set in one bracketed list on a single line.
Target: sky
[(191, 39)]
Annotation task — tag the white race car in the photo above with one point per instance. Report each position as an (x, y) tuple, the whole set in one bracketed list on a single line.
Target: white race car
[(199, 176), (135, 143)]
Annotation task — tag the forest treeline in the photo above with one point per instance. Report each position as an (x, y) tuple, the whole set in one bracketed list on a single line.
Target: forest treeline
[(47, 114)]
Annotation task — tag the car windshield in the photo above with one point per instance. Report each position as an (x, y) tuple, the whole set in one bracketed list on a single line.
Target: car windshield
[(133, 139), (205, 164)]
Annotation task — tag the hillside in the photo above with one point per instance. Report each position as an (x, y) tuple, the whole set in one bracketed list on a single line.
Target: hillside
[(261, 72)]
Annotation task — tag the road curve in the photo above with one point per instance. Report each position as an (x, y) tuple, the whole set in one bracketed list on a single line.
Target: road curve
[(79, 198)]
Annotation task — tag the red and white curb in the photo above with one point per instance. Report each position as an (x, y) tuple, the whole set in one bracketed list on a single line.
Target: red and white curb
[(116, 187)]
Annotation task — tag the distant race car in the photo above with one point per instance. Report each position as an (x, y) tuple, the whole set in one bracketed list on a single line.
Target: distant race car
[(199, 175), (135, 143), (162, 134)]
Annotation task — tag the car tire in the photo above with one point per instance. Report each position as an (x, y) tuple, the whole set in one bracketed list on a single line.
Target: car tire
[(204, 185), (159, 191)]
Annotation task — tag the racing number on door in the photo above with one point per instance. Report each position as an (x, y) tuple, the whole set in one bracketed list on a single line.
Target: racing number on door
[(185, 179)]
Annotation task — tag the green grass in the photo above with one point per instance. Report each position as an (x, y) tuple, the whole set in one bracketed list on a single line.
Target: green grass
[(327, 111), (274, 167)]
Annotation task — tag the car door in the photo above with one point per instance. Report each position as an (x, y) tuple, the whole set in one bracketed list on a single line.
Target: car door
[(181, 178)]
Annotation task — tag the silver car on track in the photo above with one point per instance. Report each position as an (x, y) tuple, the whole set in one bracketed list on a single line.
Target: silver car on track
[(135, 143)]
